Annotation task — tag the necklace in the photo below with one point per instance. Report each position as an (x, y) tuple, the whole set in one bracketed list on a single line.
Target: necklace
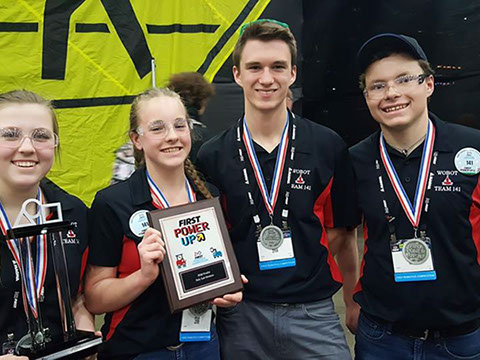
[(408, 151)]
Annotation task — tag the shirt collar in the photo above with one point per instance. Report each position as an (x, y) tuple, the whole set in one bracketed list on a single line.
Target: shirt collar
[(442, 134), (53, 193), (139, 187), (442, 138), (301, 146)]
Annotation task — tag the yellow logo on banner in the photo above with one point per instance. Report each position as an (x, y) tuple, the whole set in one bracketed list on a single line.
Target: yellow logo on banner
[(93, 56)]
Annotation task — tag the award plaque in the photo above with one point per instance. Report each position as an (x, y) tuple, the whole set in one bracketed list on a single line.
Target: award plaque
[(200, 263), (39, 343)]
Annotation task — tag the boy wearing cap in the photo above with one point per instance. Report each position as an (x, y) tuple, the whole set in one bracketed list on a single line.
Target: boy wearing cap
[(418, 184), (287, 186)]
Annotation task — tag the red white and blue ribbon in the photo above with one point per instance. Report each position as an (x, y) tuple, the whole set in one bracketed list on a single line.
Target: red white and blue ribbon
[(414, 211), (34, 276), (270, 199), (159, 200)]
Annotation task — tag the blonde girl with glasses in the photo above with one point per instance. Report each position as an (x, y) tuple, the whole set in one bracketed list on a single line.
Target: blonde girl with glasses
[(123, 275), (28, 145)]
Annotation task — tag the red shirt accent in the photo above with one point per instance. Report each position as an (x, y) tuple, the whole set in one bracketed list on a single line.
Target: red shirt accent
[(474, 218), (129, 263), (324, 212)]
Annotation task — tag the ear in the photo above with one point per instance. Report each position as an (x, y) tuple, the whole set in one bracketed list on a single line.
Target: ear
[(136, 140), (293, 74), (236, 75), (430, 82)]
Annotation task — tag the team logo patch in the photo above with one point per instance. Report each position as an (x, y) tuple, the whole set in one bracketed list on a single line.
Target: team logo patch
[(467, 161), (301, 181), (71, 237), (448, 182)]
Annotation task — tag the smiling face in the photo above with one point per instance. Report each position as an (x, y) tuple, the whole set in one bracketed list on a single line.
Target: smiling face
[(265, 73), (23, 167), (163, 152), (398, 110)]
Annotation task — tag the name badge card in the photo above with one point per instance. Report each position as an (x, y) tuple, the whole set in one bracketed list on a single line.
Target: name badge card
[(275, 249), (196, 323), (412, 260), (200, 263)]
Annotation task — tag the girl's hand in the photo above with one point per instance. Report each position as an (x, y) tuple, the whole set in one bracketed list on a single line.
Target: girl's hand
[(152, 252)]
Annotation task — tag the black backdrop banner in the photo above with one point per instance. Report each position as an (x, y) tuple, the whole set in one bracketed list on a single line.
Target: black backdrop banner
[(329, 35)]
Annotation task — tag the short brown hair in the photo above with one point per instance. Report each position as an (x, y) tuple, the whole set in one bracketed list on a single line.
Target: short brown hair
[(29, 97), (265, 31), (193, 88)]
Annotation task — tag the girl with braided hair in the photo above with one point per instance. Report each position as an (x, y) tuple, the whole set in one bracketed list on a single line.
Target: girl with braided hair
[(123, 274)]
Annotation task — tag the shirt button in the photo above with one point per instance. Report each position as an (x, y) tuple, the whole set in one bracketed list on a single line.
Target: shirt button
[(407, 179), (407, 162)]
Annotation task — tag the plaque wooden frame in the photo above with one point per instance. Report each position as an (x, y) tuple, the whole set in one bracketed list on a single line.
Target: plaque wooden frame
[(176, 304)]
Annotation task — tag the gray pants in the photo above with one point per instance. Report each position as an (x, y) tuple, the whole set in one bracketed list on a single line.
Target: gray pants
[(253, 330)]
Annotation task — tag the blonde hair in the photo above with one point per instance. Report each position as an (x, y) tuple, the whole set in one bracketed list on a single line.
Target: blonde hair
[(149, 94), (29, 97)]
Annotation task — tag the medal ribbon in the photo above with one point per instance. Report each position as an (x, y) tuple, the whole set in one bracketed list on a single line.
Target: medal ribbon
[(414, 211), (40, 271), (159, 200), (269, 199)]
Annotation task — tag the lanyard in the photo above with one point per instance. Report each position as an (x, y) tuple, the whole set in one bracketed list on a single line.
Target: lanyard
[(34, 274), (159, 200), (422, 192), (413, 211), (269, 199)]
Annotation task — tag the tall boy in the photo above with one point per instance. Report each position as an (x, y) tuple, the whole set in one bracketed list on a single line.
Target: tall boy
[(287, 191)]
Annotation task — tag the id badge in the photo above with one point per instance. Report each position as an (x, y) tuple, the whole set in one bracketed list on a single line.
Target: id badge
[(196, 322), (275, 248), (412, 260)]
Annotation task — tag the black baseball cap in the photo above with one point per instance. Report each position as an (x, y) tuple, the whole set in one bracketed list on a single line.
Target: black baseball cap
[(388, 41)]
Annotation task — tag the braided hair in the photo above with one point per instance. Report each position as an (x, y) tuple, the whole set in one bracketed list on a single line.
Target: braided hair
[(193, 175)]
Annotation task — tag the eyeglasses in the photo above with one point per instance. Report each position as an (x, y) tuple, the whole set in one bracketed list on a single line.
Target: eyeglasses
[(282, 24), (41, 139), (158, 129), (402, 84)]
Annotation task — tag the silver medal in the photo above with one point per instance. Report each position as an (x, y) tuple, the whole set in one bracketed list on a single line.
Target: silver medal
[(271, 237), (415, 251), (200, 309)]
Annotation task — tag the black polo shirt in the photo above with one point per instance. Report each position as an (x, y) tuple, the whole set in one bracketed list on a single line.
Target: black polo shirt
[(146, 324), (321, 195), (453, 225), (12, 313)]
